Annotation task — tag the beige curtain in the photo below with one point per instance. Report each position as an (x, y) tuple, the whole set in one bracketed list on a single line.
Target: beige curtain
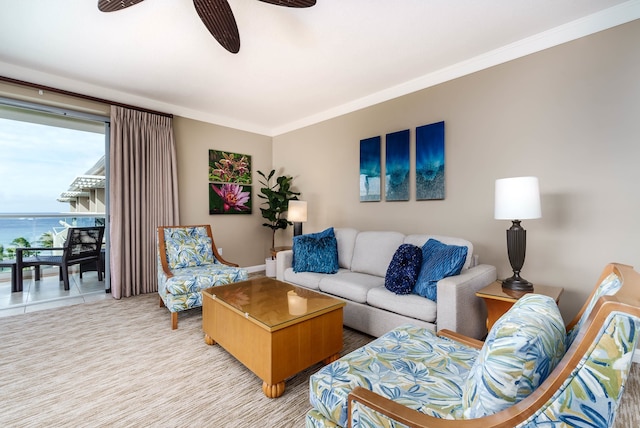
[(143, 195)]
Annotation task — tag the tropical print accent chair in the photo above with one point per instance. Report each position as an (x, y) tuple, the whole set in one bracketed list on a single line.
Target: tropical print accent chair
[(189, 262), (531, 371)]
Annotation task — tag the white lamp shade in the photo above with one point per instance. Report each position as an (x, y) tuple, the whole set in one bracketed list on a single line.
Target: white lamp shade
[(517, 198), (297, 211)]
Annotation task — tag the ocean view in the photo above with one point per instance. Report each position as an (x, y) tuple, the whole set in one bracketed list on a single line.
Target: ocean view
[(33, 228)]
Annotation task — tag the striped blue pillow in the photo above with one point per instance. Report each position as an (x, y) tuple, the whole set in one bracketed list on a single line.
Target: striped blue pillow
[(438, 261)]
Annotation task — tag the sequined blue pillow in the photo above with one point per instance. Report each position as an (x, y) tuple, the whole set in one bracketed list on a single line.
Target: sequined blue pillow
[(316, 252), (403, 270), (438, 261)]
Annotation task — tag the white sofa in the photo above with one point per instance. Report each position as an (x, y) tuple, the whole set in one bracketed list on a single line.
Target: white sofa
[(364, 257)]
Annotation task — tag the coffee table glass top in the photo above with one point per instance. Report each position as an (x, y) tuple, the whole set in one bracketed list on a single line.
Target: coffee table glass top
[(272, 302)]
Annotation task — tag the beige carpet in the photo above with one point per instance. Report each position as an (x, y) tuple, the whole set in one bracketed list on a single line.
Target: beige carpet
[(118, 364)]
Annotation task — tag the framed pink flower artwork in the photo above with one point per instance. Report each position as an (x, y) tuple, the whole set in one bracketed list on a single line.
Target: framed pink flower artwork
[(229, 183)]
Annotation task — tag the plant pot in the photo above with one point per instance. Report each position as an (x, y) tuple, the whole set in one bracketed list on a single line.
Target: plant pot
[(270, 267)]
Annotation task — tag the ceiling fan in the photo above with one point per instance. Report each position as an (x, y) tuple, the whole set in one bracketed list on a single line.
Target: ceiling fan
[(215, 14)]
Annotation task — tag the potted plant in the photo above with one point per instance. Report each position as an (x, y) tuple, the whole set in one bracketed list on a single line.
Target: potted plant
[(276, 195)]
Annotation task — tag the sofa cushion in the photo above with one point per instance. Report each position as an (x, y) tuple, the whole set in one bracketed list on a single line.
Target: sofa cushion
[(520, 351), (374, 250), (349, 285), (409, 305), (438, 261), (346, 238), (315, 252), (306, 279), (403, 270), (421, 239)]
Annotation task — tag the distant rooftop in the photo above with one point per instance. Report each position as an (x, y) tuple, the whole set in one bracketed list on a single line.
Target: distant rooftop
[(94, 178)]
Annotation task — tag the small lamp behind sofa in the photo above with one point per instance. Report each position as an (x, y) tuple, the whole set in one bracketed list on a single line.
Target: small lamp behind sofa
[(297, 213)]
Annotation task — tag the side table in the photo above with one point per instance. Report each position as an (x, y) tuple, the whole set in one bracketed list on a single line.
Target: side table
[(276, 250), (499, 300)]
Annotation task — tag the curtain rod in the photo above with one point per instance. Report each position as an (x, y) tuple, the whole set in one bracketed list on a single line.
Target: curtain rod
[(81, 96)]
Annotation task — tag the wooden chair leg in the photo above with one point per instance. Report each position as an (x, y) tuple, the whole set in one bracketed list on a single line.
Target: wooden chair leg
[(174, 320)]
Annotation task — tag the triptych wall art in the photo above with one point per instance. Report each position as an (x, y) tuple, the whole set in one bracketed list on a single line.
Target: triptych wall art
[(370, 169), (429, 165), (229, 183)]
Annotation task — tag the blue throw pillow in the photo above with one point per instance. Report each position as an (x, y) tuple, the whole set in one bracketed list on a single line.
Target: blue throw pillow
[(327, 232), (316, 252), (403, 270), (438, 261), (316, 235)]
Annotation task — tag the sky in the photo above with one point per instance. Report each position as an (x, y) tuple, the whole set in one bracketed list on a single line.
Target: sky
[(39, 162)]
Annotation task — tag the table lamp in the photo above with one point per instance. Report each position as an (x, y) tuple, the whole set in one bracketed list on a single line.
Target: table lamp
[(517, 199), (297, 214)]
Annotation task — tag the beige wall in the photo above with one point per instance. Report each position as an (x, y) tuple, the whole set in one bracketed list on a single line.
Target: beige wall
[(569, 115), (242, 237)]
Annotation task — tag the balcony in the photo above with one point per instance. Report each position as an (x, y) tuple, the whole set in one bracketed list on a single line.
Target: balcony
[(41, 230)]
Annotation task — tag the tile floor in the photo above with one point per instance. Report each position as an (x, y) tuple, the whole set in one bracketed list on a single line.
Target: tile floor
[(49, 292)]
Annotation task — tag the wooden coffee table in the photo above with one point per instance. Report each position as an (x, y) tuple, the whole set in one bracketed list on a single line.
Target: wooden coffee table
[(274, 328)]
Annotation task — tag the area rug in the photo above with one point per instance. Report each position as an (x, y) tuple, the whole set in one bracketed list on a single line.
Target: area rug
[(117, 363)]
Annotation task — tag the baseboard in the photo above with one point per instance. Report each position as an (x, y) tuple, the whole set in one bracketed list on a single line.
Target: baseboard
[(253, 269), (636, 356)]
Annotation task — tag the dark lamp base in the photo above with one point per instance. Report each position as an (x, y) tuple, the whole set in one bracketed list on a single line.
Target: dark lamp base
[(517, 283)]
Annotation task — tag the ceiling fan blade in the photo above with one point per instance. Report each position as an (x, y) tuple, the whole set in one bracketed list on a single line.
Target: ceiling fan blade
[(291, 3), (218, 18), (113, 5)]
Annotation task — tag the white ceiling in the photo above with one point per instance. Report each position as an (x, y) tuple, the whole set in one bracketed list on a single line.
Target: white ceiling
[(295, 66)]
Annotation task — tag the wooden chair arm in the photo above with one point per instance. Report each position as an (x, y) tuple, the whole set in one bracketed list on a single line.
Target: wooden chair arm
[(415, 419), (403, 414), (465, 340), (221, 260)]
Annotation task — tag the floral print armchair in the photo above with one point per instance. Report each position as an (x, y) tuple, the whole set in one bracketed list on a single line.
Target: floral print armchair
[(188, 262), (411, 377)]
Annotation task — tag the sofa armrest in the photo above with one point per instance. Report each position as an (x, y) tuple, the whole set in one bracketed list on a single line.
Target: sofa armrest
[(284, 260), (458, 307)]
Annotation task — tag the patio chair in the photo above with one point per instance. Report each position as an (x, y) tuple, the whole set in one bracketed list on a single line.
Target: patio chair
[(83, 245), (189, 262)]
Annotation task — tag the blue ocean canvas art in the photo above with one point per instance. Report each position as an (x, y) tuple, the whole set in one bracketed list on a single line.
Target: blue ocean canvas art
[(370, 169), (397, 166), (430, 161)]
